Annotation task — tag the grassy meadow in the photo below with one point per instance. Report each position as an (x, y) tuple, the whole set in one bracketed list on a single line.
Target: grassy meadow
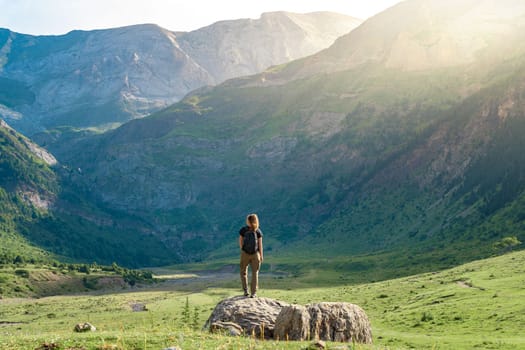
[(476, 305)]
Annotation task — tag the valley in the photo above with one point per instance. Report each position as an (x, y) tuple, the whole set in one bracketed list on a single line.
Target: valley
[(475, 305), (384, 158)]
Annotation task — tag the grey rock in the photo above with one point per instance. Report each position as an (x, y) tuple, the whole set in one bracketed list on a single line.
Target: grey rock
[(255, 316), (84, 327), (138, 307), (231, 328), (292, 323), (268, 318), (342, 322)]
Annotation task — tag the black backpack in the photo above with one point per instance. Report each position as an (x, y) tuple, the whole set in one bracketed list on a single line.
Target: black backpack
[(250, 244)]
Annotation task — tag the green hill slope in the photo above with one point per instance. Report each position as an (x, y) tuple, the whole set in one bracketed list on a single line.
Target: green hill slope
[(40, 213), (27, 186)]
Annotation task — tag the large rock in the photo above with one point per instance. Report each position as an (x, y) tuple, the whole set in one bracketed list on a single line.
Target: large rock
[(292, 323), (268, 318), (254, 315), (342, 322)]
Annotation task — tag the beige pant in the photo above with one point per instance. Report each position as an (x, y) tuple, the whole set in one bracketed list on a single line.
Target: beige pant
[(254, 260)]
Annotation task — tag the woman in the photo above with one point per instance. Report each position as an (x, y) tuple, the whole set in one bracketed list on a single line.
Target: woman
[(250, 242)]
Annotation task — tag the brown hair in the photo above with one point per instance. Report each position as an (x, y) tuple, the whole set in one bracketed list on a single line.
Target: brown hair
[(252, 221)]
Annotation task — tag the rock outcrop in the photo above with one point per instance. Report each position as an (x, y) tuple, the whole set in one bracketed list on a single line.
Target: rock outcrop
[(268, 318)]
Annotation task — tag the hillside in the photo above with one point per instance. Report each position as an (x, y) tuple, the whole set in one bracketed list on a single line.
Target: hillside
[(43, 218), (358, 158), (103, 78), (28, 186)]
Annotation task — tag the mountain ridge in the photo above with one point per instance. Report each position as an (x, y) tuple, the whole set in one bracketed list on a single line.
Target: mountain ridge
[(105, 77), (445, 34)]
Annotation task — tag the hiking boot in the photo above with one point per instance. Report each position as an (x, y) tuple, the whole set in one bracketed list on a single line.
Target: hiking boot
[(253, 296), (246, 293)]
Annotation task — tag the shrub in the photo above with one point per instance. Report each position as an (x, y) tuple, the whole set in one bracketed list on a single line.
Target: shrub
[(506, 244), (426, 317), (22, 273)]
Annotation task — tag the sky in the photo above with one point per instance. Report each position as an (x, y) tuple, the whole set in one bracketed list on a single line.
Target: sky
[(43, 17)]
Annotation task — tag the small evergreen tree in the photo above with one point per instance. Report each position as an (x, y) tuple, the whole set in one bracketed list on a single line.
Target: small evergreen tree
[(195, 320), (186, 313)]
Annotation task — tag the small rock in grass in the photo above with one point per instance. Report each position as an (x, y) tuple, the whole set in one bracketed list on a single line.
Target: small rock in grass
[(85, 327), (138, 307), (317, 345), (231, 328)]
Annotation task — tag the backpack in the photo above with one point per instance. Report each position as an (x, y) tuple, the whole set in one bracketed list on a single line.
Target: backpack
[(250, 244)]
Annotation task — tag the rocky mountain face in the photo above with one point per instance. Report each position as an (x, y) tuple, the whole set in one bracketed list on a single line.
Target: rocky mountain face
[(103, 78), (370, 155), (230, 49)]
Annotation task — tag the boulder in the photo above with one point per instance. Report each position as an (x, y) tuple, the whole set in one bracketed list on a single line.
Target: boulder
[(340, 322), (255, 316), (138, 307), (268, 318), (85, 327), (292, 323)]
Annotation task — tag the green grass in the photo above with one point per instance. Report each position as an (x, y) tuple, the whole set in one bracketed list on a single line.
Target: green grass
[(476, 305)]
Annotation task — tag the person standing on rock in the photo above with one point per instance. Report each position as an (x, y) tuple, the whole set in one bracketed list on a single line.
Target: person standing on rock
[(250, 242)]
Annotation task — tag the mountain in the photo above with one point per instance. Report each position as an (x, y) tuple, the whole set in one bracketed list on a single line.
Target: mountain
[(439, 35), (353, 150), (103, 78)]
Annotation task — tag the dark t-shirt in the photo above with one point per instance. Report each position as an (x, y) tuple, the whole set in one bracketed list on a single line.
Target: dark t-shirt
[(245, 229)]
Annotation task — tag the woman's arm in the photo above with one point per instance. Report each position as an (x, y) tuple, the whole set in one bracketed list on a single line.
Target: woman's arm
[(261, 250), (241, 241)]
